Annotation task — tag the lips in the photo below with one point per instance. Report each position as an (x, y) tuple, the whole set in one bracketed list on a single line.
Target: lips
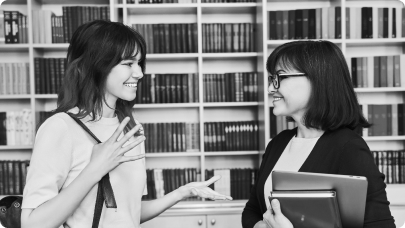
[(276, 98)]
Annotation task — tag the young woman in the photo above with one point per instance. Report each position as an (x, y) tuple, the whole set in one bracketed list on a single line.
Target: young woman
[(106, 60), (311, 85)]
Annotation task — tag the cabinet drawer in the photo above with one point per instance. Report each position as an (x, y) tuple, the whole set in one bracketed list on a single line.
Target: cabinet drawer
[(224, 221), (198, 221)]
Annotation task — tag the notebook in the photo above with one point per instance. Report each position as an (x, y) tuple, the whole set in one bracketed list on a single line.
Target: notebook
[(351, 191), (309, 209)]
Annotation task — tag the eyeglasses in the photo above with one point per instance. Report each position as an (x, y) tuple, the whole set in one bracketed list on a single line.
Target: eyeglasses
[(275, 79)]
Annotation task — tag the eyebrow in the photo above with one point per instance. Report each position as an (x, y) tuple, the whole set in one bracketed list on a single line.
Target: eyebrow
[(132, 58)]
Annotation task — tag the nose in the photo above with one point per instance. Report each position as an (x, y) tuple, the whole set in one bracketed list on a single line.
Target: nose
[(137, 72), (271, 89)]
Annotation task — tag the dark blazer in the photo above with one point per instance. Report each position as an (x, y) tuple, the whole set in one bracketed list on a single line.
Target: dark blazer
[(336, 152)]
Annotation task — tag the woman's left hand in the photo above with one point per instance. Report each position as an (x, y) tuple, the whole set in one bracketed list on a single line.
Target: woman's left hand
[(202, 190), (275, 218)]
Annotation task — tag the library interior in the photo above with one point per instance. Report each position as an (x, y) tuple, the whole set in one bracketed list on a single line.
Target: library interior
[(203, 101)]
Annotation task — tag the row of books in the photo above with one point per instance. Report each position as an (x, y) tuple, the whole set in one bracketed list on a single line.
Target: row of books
[(169, 38), (385, 71), (172, 137), (49, 74), (375, 22), (228, 37), (14, 78), (162, 181), (231, 136), (49, 28), (320, 23), (16, 128), (167, 88), (279, 124), (13, 27), (234, 182), (12, 176), (230, 87), (387, 120), (392, 164)]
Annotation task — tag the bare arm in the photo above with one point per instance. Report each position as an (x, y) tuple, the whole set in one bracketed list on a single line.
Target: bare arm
[(151, 209), (105, 157), (64, 204)]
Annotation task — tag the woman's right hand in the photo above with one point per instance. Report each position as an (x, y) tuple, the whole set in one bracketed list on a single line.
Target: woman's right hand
[(274, 218), (109, 154)]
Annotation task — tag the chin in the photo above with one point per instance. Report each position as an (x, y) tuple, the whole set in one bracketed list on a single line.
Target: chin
[(128, 98)]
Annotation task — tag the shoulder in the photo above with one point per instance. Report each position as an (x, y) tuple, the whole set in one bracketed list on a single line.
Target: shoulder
[(345, 142), (343, 137), (56, 123)]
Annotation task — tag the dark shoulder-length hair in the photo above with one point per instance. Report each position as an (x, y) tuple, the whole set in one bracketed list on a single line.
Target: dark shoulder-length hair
[(333, 103), (95, 48)]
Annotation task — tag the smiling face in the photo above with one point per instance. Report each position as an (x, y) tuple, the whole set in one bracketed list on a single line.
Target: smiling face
[(292, 98), (123, 79)]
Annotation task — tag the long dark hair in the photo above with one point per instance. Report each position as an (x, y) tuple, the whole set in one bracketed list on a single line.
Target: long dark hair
[(333, 102), (95, 48)]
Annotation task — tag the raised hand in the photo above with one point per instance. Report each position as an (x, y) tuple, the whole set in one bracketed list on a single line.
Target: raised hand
[(109, 154), (274, 218), (202, 190)]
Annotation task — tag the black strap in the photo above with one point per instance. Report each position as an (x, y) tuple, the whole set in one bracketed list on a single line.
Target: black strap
[(104, 192)]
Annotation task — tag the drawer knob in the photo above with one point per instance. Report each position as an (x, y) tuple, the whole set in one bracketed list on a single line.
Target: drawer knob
[(200, 222), (213, 221)]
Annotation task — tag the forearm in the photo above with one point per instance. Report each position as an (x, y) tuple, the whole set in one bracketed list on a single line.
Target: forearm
[(153, 208), (64, 204)]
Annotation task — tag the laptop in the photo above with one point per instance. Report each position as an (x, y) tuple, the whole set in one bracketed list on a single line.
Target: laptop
[(309, 209), (351, 191)]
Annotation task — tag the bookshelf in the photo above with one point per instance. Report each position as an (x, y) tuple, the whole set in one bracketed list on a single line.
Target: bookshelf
[(201, 63)]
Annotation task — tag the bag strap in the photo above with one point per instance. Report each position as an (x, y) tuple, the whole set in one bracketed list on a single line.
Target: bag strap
[(104, 191)]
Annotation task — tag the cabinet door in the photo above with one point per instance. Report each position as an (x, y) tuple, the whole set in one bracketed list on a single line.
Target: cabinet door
[(224, 221), (197, 221)]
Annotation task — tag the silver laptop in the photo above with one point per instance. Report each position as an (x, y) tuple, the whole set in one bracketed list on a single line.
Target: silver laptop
[(351, 191)]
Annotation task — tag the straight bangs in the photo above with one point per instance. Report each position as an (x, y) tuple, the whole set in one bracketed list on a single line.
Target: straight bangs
[(287, 58), (133, 44)]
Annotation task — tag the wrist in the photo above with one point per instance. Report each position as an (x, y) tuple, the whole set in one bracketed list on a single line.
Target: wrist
[(182, 193), (92, 173)]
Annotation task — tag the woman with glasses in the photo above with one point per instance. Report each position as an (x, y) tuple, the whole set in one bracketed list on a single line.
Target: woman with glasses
[(311, 85)]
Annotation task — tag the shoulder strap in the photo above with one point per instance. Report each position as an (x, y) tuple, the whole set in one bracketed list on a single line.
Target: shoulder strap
[(84, 127), (104, 191)]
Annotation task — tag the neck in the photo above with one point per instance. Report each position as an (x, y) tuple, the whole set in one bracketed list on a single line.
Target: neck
[(109, 110), (304, 132)]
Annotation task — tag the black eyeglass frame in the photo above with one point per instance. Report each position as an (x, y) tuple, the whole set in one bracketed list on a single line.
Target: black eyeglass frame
[(275, 79)]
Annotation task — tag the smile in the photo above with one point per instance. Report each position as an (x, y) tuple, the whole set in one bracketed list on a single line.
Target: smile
[(132, 85), (277, 98)]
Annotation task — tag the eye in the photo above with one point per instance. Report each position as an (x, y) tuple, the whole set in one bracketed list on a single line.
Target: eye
[(128, 64)]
